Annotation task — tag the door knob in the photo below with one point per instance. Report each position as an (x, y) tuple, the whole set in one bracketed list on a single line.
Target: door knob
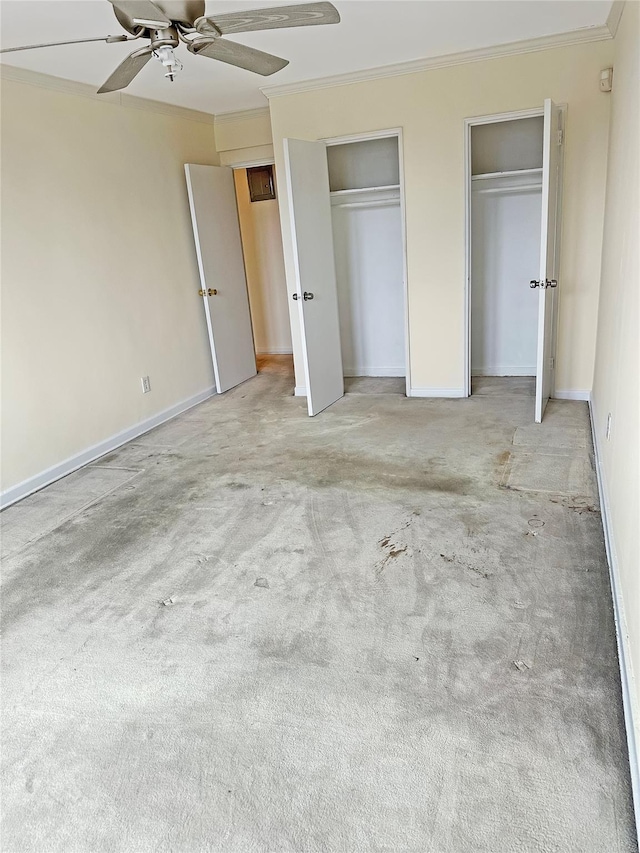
[(534, 283), (306, 296)]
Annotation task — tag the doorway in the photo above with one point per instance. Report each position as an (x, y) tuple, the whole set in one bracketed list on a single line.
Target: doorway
[(513, 188), (261, 238), (240, 260)]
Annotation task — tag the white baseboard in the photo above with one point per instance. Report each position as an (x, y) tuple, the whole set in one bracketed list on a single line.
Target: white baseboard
[(436, 392), (299, 391), (571, 395), (501, 370), (45, 478), (272, 351), (374, 371), (629, 702)]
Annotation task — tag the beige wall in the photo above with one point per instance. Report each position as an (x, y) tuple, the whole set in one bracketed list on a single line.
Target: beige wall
[(264, 265), (430, 106), (616, 387), (99, 276), (244, 138)]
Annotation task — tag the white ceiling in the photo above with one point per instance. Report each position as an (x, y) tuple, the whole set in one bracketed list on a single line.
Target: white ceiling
[(372, 33)]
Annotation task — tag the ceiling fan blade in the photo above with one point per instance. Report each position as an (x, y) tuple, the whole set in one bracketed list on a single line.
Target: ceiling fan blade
[(126, 71), (240, 55), (303, 15), (143, 12), (108, 39)]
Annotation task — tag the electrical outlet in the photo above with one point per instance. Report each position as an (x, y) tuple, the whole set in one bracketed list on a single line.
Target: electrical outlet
[(608, 432), (146, 385)]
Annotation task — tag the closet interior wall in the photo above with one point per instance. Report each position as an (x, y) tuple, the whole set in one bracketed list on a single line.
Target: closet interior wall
[(364, 180), (506, 197)]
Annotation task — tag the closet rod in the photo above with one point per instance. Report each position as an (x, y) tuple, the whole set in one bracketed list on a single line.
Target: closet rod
[(363, 190), (487, 176), (504, 190), (389, 202)]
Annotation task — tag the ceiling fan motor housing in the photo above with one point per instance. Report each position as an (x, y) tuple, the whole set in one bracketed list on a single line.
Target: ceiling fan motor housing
[(183, 12), (164, 38)]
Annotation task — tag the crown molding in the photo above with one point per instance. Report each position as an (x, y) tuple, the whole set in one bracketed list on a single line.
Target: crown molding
[(588, 34), (243, 115), (85, 90), (613, 18)]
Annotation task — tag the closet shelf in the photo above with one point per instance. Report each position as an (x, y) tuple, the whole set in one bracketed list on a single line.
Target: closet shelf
[(486, 176), (341, 193)]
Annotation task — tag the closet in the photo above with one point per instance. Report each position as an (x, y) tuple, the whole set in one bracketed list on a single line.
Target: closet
[(506, 205), (366, 217)]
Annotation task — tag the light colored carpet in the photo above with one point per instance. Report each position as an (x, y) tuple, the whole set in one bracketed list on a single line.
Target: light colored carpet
[(373, 630)]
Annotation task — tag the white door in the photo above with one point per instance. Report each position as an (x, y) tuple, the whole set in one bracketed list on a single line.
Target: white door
[(549, 255), (316, 290), (214, 215)]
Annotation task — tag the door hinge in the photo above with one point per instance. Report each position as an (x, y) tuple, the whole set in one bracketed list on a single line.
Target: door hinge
[(560, 137), (552, 363)]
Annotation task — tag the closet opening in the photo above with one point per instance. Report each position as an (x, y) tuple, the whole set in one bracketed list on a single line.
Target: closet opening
[(504, 207), (367, 214), (261, 238)]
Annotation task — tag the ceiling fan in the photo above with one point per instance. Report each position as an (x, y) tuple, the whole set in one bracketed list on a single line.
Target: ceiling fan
[(167, 23)]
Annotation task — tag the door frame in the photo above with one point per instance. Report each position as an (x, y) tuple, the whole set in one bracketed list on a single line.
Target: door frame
[(514, 115), (387, 134)]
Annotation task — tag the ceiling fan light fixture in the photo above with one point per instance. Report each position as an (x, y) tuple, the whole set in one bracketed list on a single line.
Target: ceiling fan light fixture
[(167, 57)]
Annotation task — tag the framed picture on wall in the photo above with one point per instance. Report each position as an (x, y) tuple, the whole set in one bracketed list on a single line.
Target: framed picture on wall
[(261, 185)]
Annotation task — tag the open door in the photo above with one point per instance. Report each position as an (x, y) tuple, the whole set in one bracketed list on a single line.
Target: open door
[(316, 290), (216, 231), (549, 255)]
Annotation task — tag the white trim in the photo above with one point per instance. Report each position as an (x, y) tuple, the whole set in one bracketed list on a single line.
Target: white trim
[(613, 18), (249, 164), (242, 115), (405, 265), (272, 351), (299, 391), (85, 90), (436, 392), (588, 34), (629, 702), (385, 133), (571, 394), (50, 475), (351, 372)]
